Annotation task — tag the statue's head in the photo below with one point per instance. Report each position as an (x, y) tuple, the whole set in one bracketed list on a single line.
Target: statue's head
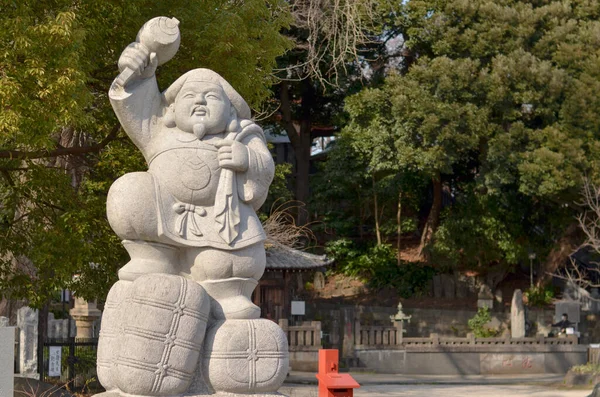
[(204, 103)]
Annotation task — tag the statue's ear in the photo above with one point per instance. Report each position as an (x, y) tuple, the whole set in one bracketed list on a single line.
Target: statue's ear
[(169, 117), (233, 125)]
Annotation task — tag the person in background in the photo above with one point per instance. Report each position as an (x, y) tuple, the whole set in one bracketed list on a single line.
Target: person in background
[(563, 324)]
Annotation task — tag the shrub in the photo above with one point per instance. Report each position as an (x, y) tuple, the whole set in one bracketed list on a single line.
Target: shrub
[(378, 267), (539, 296), (588, 368), (477, 324)]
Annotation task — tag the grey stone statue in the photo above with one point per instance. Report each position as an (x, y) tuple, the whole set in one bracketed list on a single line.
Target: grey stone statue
[(190, 227)]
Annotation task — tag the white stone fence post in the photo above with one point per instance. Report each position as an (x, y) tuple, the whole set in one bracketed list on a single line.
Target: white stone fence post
[(303, 337), (378, 336), (7, 352)]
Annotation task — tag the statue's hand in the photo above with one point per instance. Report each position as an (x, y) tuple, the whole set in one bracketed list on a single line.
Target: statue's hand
[(232, 155), (139, 59)]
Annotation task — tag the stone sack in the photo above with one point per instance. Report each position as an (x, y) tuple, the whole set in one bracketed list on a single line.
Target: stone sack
[(245, 356), (111, 329), (164, 322)]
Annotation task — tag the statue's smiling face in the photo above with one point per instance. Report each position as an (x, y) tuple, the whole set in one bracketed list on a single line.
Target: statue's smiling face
[(204, 103)]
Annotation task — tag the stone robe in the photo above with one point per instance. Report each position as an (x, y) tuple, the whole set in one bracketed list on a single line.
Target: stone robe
[(198, 203)]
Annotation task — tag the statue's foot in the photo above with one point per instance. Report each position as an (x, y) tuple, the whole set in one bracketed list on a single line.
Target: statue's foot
[(148, 258), (230, 298), (164, 323), (245, 357)]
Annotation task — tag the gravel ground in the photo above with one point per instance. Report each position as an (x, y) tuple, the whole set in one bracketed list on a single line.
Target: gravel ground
[(442, 391)]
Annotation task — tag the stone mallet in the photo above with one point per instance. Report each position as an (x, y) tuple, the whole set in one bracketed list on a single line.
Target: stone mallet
[(161, 37)]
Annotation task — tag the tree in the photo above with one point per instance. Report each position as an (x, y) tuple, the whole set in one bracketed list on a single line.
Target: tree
[(61, 146), (497, 103), (421, 124), (331, 41), (360, 191), (586, 275)]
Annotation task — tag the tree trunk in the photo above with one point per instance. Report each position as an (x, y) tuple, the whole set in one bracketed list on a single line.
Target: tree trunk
[(299, 133), (399, 225), (433, 219), (563, 248), (361, 217), (377, 229), (302, 175), (42, 335)]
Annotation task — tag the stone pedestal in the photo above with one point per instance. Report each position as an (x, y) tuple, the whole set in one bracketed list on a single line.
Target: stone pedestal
[(84, 313), (7, 352), (220, 394), (596, 391)]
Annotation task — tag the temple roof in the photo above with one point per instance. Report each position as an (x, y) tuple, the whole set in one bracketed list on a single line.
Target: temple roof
[(280, 257)]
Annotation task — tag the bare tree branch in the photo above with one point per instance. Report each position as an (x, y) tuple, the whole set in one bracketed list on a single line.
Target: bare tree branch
[(337, 30), (589, 223)]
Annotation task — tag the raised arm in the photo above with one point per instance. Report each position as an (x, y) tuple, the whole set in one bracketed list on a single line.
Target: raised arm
[(137, 101)]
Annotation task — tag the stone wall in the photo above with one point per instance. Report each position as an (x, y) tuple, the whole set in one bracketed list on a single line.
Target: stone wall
[(383, 349), (424, 322), (449, 362), (475, 356)]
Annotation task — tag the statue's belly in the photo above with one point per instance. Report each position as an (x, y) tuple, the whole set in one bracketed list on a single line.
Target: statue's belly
[(191, 175)]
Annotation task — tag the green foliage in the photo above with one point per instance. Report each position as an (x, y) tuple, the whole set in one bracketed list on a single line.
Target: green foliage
[(279, 192), (499, 99), (345, 188), (57, 61), (539, 296), (479, 230), (478, 323), (589, 368), (377, 265)]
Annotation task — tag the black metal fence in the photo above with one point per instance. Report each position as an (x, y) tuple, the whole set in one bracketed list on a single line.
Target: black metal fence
[(17, 350), (71, 361)]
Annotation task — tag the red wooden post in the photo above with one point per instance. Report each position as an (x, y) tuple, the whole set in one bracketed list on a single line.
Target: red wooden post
[(331, 382)]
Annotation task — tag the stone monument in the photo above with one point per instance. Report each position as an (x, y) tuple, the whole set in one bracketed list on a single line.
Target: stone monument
[(517, 315), (27, 322), (485, 298), (180, 321)]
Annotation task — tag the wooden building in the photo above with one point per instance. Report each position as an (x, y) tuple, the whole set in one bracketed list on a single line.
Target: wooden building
[(286, 273)]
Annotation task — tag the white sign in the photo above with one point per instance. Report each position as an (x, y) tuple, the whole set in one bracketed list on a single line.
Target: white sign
[(298, 308), (54, 363)]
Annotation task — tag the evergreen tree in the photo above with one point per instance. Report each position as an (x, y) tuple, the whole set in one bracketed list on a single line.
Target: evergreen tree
[(498, 103), (61, 146)]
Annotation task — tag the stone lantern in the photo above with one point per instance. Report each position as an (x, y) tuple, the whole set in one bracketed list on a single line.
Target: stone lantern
[(84, 313)]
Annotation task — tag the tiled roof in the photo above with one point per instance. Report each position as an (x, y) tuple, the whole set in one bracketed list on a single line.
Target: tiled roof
[(280, 257)]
